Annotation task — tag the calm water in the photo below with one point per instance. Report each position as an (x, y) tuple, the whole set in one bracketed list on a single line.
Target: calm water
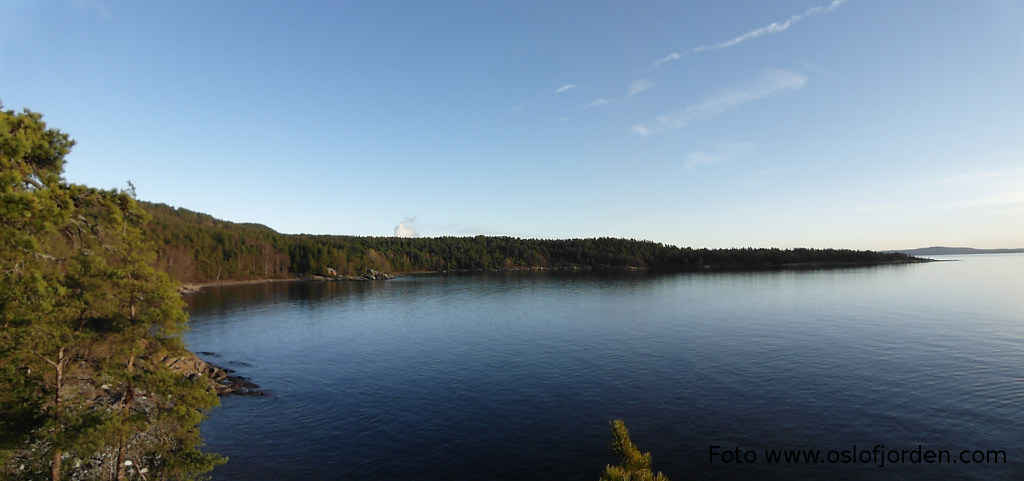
[(515, 376)]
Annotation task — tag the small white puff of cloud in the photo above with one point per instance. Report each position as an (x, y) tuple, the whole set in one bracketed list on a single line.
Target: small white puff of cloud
[(406, 228), (769, 82), (566, 88), (597, 103)]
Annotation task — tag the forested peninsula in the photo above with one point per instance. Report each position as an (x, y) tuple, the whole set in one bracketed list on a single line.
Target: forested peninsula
[(197, 248), (94, 376)]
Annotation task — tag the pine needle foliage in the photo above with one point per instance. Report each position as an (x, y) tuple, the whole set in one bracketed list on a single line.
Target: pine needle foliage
[(635, 465)]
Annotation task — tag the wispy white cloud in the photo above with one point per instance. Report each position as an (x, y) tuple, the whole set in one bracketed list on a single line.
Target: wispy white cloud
[(640, 85), (637, 87), (97, 5), (757, 178), (1001, 199), (717, 155), (875, 208), (981, 178), (701, 158), (661, 61), (992, 192), (770, 29), (1015, 212), (770, 82), (641, 130), (566, 88)]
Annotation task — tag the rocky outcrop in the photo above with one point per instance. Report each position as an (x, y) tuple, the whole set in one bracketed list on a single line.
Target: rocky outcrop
[(189, 289), (26, 463), (374, 275), (222, 380)]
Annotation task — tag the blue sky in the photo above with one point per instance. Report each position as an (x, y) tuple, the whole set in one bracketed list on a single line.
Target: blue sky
[(863, 124)]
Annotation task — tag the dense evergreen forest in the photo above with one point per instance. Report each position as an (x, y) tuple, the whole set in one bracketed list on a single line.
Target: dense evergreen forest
[(195, 247), (88, 328)]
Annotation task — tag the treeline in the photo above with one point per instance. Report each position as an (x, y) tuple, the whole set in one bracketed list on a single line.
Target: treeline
[(195, 247)]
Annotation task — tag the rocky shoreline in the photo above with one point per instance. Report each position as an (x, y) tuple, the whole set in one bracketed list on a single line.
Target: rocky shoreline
[(222, 380), (374, 275), (26, 463), (369, 275)]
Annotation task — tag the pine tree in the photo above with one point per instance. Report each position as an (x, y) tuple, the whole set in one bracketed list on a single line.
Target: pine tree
[(636, 465), (85, 325)]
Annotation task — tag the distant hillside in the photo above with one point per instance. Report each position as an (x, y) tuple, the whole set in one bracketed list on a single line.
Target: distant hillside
[(196, 248), (946, 251)]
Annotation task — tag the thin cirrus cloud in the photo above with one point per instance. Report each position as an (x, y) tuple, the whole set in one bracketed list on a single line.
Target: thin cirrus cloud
[(668, 58), (770, 82), (1005, 203), (641, 85), (94, 5), (637, 87), (717, 155), (566, 88), (757, 178), (514, 110), (770, 29), (876, 208), (995, 192)]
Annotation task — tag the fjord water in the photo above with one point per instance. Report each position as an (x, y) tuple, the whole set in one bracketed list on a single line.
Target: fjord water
[(515, 375)]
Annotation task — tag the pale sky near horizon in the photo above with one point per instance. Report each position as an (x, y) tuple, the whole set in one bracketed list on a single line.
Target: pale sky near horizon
[(862, 124)]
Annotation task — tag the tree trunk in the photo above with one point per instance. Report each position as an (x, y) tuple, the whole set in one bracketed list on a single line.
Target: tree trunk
[(55, 465), (122, 453), (126, 405), (58, 409)]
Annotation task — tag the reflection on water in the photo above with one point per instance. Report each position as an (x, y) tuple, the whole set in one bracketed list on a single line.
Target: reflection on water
[(515, 375)]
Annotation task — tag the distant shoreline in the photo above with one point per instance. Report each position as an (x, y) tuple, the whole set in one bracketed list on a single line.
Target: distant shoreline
[(197, 287), (194, 287), (955, 251), (371, 275)]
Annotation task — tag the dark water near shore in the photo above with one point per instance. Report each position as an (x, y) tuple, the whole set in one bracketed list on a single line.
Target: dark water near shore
[(515, 376)]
